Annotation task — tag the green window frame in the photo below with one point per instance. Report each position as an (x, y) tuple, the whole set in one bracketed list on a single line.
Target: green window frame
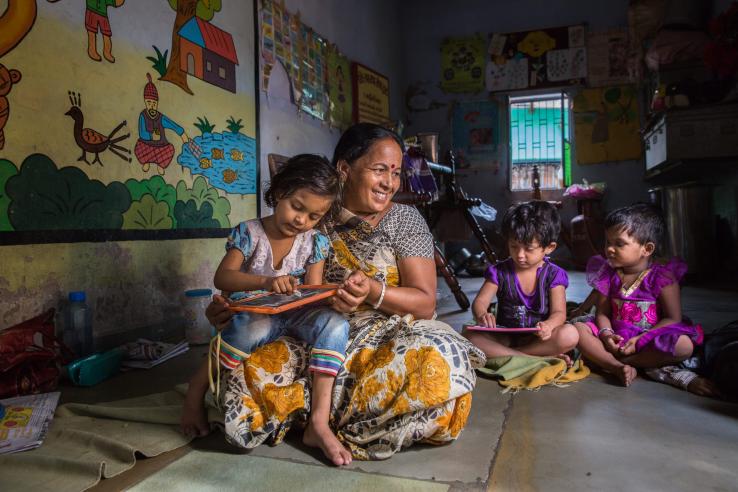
[(539, 129)]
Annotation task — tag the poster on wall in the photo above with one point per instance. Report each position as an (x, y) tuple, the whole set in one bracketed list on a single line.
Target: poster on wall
[(606, 127), (536, 59), (607, 55), (340, 92), (462, 64), (475, 133), (314, 97), (371, 95), (127, 120), (302, 52)]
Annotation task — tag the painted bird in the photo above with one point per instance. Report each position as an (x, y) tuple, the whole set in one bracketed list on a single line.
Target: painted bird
[(92, 141)]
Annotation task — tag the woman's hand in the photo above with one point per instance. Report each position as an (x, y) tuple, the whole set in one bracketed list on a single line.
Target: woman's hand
[(218, 313), (351, 293)]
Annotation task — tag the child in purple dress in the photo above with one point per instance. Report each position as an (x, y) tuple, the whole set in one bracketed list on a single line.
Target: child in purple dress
[(530, 290), (638, 322)]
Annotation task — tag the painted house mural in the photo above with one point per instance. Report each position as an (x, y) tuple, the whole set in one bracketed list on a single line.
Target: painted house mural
[(136, 143), (108, 146), (208, 53)]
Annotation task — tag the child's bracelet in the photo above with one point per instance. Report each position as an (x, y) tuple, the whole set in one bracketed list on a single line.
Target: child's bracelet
[(381, 296), (606, 330)]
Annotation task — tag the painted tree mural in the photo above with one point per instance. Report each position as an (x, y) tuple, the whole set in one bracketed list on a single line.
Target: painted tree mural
[(186, 9)]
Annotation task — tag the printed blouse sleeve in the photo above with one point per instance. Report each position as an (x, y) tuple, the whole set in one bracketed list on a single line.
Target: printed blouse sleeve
[(240, 239), (413, 238), (321, 248), (599, 274)]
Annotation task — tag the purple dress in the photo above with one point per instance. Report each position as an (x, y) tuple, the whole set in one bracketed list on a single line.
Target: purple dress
[(515, 308), (636, 310)]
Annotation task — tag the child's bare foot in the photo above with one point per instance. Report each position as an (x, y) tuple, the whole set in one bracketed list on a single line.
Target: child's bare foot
[(625, 373), (320, 436), (194, 421), (565, 358)]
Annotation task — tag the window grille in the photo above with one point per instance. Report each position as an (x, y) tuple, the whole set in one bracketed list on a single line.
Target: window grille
[(538, 137)]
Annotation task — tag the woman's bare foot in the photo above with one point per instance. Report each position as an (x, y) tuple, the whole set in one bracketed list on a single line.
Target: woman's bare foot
[(320, 436), (194, 421)]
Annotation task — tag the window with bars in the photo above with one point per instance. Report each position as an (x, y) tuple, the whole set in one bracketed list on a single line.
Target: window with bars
[(539, 135)]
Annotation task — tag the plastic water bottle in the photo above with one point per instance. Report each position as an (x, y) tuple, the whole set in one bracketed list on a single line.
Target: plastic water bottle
[(77, 333)]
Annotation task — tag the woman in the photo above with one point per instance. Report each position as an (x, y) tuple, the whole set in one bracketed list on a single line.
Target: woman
[(406, 378)]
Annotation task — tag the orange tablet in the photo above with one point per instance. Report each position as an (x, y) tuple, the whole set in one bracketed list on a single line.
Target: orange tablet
[(273, 303)]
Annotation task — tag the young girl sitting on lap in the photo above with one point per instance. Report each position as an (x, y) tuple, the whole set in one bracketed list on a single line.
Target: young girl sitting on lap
[(531, 291), (639, 321), (276, 253)]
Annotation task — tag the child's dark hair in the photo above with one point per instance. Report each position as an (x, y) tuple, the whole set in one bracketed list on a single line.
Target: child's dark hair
[(642, 221), (310, 172), (356, 141), (536, 220)]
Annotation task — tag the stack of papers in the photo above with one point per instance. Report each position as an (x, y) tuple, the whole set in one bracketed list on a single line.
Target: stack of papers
[(26, 421), (145, 354)]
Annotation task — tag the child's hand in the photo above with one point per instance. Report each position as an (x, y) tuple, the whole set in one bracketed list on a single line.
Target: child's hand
[(544, 330), (629, 347), (612, 343), (487, 319), (703, 387), (284, 284)]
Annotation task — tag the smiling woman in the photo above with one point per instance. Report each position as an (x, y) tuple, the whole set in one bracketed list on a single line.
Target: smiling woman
[(406, 378)]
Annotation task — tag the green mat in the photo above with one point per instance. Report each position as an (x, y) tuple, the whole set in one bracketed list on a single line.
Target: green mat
[(209, 471), (88, 442)]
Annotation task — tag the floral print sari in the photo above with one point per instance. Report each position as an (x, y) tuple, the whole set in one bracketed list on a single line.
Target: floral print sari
[(404, 380)]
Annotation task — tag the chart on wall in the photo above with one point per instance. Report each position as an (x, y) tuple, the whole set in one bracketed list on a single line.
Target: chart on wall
[(126, 119), (476, 127), (606, 127), (462, 64), (303, 53), (536, 59)]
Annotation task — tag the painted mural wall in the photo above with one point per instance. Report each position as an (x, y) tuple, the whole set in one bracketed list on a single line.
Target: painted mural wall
[(128, 116)]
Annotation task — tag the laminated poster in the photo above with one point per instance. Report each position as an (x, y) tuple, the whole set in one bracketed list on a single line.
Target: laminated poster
[(462, 64)]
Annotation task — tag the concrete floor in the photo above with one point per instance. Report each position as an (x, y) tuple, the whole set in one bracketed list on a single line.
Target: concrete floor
[(592, 435)]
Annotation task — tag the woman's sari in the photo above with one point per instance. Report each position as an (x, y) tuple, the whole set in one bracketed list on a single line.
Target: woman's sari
[(404, 380)]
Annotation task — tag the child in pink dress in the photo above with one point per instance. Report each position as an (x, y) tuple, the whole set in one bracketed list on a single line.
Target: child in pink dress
[(638, 322)]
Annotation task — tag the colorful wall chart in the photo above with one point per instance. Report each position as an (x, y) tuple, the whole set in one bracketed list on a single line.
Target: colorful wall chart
[(462, 64), (302, 52), (132, 118), (340, 90), (607, 58), (606, 126), (475, 133), (535, 59)]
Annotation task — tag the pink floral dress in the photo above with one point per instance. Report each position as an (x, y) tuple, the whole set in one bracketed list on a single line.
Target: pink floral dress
[(636, 310)]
